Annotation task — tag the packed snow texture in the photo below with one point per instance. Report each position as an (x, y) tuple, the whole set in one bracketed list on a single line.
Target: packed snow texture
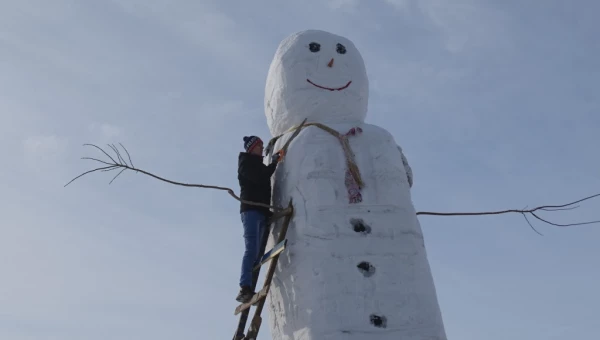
[(350, 271), (301, 84)]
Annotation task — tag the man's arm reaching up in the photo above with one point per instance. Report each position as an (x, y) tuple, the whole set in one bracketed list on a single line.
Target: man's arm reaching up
[(254, 171)]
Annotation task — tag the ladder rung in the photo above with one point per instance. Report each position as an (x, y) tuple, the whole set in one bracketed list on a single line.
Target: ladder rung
[(256, 298), (271, 254), (279, 214)]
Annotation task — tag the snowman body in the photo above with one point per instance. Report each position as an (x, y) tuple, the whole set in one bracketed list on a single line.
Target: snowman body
[(353, 269)]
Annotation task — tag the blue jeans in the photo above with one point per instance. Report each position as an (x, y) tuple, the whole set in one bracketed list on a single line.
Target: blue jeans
[(254, 223)]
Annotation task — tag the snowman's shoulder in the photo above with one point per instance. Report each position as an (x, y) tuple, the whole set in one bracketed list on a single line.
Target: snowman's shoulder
[(370, 128), (308, 138), (315, 135), (377, 134)]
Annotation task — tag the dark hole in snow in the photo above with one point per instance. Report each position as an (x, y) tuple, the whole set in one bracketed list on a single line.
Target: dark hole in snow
[(366, 268), (360, 226), (314, 47), (378, 321)]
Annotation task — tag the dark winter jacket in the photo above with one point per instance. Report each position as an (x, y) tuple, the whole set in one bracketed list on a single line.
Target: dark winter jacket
[(255, 181)]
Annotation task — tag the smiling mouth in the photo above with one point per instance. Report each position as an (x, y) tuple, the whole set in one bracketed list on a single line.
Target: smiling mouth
[(329, 88)]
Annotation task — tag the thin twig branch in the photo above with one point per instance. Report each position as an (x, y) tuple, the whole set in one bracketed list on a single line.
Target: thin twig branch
[(531, 225), (123, 165), (99, 148), (128, 156), (524, 212), (111, 169), (120, 172), (90, 171), (117, 152), (559, 209)]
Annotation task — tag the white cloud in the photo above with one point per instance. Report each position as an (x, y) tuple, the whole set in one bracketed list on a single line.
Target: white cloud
[(350, 5), (105, 132), (44, 151), (201, 24), (224, 109), (463, 23)]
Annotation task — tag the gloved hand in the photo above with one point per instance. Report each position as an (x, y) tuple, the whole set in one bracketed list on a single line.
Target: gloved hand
[(277, 157)]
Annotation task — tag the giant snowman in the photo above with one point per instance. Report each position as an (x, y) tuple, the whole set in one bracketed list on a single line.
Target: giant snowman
[(356, 266)]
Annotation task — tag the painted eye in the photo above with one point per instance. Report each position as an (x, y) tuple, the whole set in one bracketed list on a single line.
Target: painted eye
[(314, 47), (341, 49)]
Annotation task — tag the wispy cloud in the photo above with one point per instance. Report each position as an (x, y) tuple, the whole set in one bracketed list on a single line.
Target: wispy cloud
[(348, 5), (105, 131), (203, 27), (44, 153), (468, 24)]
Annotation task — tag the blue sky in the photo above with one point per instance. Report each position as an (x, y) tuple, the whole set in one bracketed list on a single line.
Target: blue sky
[(495, 104)]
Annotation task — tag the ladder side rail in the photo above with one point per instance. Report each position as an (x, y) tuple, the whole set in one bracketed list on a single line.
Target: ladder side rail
[(257, 320), (243, 320)]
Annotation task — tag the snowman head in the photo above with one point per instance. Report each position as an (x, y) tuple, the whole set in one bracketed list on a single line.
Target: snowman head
[(316, 75)]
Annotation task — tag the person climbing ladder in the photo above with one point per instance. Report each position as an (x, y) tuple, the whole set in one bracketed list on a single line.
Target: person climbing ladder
[(255, 185)]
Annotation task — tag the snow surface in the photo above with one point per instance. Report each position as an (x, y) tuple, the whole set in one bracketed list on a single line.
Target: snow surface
[(351, 271), (289, 97)]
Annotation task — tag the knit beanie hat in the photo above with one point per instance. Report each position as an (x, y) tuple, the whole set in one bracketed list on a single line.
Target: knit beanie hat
[(250, 142)]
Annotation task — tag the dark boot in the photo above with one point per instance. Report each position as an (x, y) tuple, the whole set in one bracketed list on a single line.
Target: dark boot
[(245, 294)]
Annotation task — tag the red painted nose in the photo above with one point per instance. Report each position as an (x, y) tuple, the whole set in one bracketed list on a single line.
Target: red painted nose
[(330, 64)]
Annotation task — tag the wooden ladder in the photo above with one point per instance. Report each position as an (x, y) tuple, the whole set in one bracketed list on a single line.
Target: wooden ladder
[(259, 298)]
